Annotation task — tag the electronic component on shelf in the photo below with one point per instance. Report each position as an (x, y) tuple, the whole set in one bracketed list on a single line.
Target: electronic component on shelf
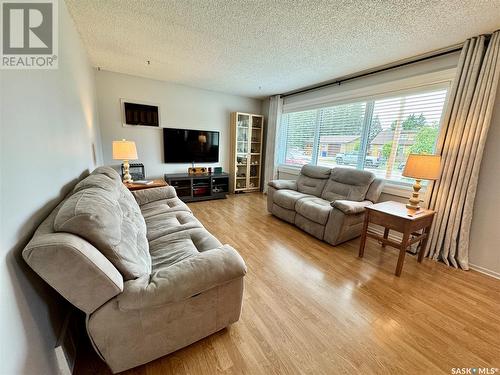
[(197, 170), (136, 170)]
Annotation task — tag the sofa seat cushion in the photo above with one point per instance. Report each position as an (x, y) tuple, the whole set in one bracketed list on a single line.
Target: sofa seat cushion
[(175, 247), (348, 184), (170, 222), (183, 280), (112, 222), (314, 209), (163, 206), (287, 198)]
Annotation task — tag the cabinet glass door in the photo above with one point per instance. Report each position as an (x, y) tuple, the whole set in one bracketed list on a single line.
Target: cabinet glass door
[(242, 133), (255, 152), (242, 150), (241, 171)]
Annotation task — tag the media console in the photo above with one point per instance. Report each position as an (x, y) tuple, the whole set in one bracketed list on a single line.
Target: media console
[(199, 187)]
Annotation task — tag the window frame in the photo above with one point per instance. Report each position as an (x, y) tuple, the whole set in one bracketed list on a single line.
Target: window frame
[(393, 187)]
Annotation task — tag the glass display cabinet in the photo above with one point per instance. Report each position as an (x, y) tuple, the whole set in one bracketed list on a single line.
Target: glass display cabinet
[(246, 151)]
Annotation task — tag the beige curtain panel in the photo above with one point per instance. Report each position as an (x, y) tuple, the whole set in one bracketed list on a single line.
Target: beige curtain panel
[(273, 122), (461, 146)]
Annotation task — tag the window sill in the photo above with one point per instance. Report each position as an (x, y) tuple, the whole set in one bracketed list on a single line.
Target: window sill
[(399, 190), (289, 169), (391, 188)]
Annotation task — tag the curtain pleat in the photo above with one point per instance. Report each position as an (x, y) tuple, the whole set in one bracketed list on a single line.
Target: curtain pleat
[(461, 146), (273, 120)]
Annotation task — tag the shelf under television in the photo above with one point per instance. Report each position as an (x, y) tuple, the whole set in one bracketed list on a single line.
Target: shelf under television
[(191, 188)]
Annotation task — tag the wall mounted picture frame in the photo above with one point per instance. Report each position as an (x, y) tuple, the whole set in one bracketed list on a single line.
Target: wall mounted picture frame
[(139, 113)]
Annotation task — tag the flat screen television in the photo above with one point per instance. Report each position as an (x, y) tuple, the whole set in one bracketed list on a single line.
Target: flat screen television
[(190, 146)]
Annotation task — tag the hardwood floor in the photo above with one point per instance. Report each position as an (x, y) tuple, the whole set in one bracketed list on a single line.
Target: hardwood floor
[(312, 308)]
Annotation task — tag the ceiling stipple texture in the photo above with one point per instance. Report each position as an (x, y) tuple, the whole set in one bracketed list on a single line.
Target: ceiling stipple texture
[(238, 46)]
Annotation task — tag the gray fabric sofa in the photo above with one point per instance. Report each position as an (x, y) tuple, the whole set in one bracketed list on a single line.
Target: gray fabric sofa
[(326, 203), (149, 276)]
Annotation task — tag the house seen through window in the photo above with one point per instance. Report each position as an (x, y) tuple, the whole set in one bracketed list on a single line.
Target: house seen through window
[(375, 135)]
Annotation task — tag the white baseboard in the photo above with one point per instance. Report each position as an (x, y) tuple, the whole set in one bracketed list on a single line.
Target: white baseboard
[(397, 237), (486, 271)]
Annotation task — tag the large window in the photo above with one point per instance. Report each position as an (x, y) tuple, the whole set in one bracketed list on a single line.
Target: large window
[(376, 135)]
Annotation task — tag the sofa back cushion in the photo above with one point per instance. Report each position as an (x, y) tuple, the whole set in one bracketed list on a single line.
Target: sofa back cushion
[(376, 187), (108, 172), (312, 179), (103, 211), (347, 183), (100, 181)]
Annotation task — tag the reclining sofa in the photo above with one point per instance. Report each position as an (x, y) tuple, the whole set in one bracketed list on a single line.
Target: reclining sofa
[(326, 203), (149, 276)]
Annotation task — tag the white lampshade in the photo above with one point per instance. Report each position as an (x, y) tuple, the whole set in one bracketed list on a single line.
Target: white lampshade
[(422, 167), (124, 150)]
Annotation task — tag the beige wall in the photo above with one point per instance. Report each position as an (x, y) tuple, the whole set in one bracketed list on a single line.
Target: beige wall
[(48, 126), (485, 231), (180, 107)]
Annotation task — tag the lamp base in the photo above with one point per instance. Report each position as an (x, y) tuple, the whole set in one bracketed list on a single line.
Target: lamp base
[(127, 178), (413, 203), (413, 207)]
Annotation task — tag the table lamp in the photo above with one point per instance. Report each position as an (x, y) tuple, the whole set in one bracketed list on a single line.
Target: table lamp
[(125, 150), (421, 167)]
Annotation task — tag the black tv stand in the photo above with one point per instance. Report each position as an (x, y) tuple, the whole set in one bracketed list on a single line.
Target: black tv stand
[(199, 187)]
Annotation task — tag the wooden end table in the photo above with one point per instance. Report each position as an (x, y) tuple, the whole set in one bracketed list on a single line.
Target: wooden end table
[(156, 183), (395, 216)]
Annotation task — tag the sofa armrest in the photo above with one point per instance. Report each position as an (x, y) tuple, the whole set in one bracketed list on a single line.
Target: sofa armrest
[(283, 184), (154, 194), (74, 268), (184, 279), (350, 207)]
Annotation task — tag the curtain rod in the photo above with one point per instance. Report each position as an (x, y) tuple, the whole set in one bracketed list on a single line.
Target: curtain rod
[(365, 73)]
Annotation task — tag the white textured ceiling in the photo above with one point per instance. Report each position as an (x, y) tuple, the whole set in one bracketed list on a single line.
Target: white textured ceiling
[(262, 47)]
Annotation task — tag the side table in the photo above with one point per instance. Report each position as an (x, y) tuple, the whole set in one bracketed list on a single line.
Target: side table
[(395, 216), (156, 183)]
